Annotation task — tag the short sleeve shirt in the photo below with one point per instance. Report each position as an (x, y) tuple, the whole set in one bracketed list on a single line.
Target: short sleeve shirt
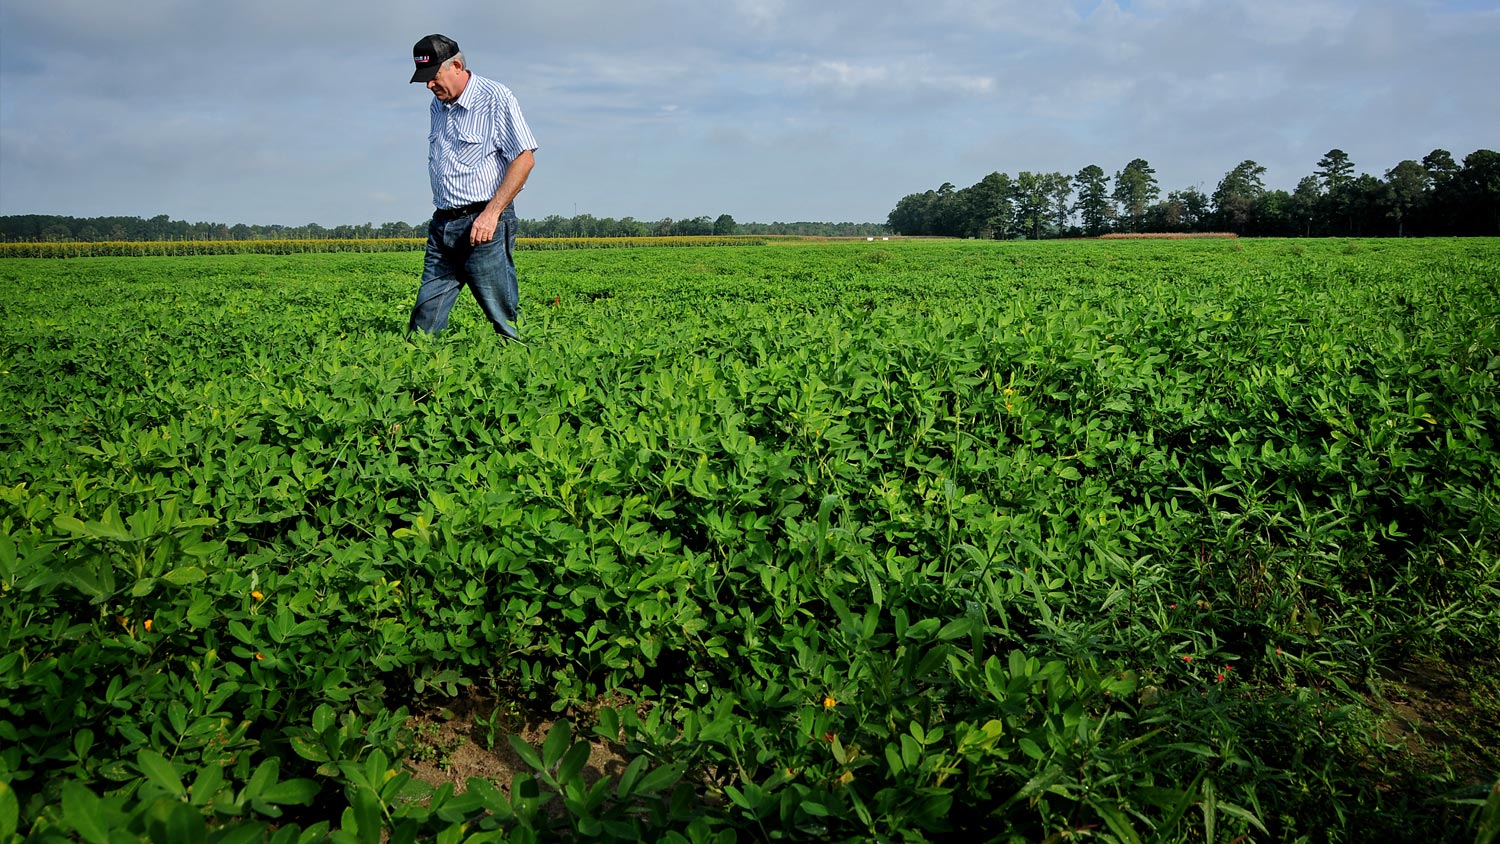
[(472, 141)]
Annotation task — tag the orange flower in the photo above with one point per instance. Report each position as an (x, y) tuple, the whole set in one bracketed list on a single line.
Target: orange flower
[(259, 656), (257, 595), (829, 702), (148, 625)]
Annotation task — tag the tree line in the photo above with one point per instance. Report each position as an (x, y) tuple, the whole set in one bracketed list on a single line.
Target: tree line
[(1433, 197), (44, 228), (587, 225)]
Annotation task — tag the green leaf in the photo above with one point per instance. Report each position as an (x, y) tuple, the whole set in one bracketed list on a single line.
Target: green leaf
[(310, 750), (1489, 817), (365, 813), (81, 808), (1243, 814), (245, 832), (631, 774), (1118, 823), (176, 822), (297, 792), (573, 762), (1210, 810), (265, 776), (526, 752), (210, 778), (1035, 785), (490, 797), (1031, 749), (160, 771), (70, 524), (922, 629), (184, 576), (10, 811), (955, 629), (556, 744), (664, 777), (739, 798), (608, 726)]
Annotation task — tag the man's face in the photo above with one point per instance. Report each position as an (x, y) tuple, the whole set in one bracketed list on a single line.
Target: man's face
[(449, 82)]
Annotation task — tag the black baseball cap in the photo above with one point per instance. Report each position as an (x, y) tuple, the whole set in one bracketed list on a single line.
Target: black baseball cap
[(430, 53)]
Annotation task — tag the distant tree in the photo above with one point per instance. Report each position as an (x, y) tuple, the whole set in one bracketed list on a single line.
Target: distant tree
[(1181, 211), (1273, 215), (991, 210), (1135, 189), (1237, 195), (948, 212), (725, 225), (1479, 183), (1336, 172), (1164, 216), (1440, 166), (1060, 190), (909, 215), (1366, 207), (692, 227), (1093, 206), (1305, 201), (1032, 193), (1197, 209), (1442, 206), (1405, 188)]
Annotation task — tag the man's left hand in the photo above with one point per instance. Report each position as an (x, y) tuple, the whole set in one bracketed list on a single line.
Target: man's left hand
[(482, 230)]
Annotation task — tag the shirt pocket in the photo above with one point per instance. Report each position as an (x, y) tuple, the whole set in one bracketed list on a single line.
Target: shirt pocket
[(469, 148)]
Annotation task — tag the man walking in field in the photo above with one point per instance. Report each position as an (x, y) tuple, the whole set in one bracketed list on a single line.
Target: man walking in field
[(479, 153)]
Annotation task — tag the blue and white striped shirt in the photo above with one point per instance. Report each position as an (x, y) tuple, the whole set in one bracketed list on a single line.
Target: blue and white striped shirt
[(472, 141)]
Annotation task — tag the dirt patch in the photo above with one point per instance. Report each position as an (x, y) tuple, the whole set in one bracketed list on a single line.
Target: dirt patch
[(470, 738), (1445, 717)]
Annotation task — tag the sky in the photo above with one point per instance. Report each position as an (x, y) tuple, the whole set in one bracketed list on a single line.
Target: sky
[(283, 111)]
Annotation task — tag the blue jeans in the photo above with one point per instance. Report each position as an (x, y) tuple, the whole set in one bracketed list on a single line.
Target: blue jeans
[(488, 269)]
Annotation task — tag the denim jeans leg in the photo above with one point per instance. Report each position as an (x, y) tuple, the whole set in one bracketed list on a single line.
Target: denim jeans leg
[(491, 271), (440, 280)]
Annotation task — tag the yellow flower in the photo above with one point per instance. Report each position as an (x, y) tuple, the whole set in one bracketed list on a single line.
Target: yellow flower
[(257, 595), (829, 703), (259, 656), (148, 625)]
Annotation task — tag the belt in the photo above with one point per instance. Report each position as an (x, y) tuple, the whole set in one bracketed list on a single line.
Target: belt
[(461, 211)]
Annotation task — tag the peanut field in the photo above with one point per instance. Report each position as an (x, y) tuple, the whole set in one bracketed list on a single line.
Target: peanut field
[(908, 541)]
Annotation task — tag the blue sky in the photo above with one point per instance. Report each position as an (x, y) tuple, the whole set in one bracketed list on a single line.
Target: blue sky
[(285, 112)]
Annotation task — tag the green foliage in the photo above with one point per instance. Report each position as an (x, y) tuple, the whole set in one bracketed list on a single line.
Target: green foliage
[(939, 540)]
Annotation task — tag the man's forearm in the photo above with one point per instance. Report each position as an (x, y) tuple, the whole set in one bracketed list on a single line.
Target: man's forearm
[(515, 179)]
